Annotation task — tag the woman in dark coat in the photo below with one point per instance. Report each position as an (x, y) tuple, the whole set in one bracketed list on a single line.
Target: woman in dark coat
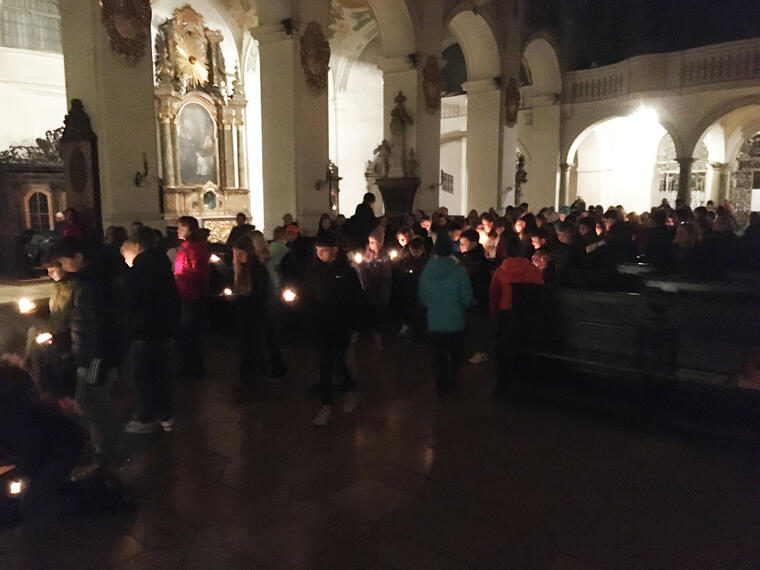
[(251, 292)]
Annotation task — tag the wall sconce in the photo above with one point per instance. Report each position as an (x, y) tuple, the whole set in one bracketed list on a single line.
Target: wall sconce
[(141, 176), (288, 26)]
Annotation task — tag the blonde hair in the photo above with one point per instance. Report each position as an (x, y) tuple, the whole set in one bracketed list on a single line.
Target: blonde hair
[(260, 246)]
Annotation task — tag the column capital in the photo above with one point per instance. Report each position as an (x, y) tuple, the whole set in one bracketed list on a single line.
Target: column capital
[(395, 64), (269, 34), (685, 160), (718, 165), (480, 86), (566, 166)]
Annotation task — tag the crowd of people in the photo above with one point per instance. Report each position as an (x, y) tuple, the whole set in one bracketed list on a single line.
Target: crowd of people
[(117, 304)]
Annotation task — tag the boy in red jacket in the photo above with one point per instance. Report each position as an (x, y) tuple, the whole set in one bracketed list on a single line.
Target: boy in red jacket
[(514, 269)]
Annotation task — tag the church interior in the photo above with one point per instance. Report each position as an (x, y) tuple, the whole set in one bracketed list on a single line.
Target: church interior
[(153, 111)]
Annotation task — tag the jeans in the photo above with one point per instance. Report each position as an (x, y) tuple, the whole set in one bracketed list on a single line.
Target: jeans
[(191, 328), (447, 350), (148, 363), (332, 358)]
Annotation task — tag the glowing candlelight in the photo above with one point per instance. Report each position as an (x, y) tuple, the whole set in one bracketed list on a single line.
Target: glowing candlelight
[(16, 487), (394, 254), (44, 338), (25, 306), (358, 258), (227, 292), (288, 295), (214, 258)]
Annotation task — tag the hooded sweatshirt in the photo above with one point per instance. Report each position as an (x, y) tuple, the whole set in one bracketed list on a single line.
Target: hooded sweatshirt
[(446, 292), (511, 270)]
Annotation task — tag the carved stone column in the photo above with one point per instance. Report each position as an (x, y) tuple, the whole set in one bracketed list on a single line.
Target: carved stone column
[(565, 184), (718, 191), (242, 157), (483, 145), (684, 179), (166, 120), (229, 158), (119, 98)]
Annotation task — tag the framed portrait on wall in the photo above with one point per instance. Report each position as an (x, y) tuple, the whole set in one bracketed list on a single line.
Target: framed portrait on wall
[(196, 146)]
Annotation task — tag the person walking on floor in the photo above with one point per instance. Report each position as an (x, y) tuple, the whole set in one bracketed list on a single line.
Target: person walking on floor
[(446, 292), (333, 300)]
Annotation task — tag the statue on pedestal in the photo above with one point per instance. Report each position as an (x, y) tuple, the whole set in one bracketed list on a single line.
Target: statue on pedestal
[(380, 165), (521, 178), (400, 121)]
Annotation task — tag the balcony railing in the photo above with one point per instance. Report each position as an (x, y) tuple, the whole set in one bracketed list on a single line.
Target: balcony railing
[(720, 63)]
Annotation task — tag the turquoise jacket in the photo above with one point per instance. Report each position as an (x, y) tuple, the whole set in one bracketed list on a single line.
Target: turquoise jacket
[(446, 292)]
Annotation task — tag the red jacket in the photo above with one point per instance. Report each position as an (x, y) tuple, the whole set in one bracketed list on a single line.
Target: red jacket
[(511, 270), (191, 269)]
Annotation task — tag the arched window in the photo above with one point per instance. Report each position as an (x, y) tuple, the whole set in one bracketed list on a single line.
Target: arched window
[(31, 24), (39, 211)]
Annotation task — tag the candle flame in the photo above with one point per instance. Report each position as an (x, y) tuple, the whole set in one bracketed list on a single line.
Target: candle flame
[(214, 258), (358, 258), (394, 254), (227, 292), (288, 295), (16, 487), (44, 338), (26, 306)]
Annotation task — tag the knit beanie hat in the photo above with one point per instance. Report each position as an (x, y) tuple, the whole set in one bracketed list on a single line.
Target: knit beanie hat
[(443, 247)]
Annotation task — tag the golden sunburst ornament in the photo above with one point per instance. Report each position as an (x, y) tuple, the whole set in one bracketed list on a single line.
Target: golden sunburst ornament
[(192, 60)]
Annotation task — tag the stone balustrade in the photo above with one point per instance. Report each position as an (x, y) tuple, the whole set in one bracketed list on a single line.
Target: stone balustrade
[(720, 63)]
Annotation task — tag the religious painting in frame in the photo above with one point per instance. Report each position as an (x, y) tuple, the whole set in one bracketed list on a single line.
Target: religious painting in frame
[(196, 146)]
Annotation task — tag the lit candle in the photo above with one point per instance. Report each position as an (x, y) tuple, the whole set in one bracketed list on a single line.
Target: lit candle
[(214, 258), (358, 258), (227, 292), (44, 338), (25, 306), (394, 254), (288, 295), (16, 487)]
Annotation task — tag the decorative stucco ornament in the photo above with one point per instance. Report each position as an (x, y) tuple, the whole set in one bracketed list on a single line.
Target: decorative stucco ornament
[(431, 84), (315, 56), (511, 103), (191, 58), (127, 24)]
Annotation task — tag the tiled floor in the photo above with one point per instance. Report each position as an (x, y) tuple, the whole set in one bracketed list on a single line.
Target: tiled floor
[(406, 483)]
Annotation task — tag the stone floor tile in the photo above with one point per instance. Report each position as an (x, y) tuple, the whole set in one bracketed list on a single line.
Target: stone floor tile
[(370, 499)]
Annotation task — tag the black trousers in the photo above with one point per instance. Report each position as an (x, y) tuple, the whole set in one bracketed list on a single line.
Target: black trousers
[(151, 381), (192, 327), (332, 360), (448, 353), (505, 349)]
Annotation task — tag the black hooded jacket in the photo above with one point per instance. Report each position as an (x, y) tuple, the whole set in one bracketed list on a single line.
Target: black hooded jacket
[(333, 299), (153, 302)]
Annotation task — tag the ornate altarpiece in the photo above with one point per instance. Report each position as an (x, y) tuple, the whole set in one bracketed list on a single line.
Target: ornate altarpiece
[(201, 125)]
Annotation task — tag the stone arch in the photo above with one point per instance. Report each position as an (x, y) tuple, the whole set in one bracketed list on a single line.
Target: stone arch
[(476, 37), (578, 137), (541, 59), (396, 27), (715, 116), (725, 130)]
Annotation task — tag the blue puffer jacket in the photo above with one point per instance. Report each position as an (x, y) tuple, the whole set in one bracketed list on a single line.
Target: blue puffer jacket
[(446, 292)]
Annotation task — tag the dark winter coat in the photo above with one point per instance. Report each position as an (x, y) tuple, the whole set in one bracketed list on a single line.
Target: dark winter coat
[(153, 301), (333, 299)]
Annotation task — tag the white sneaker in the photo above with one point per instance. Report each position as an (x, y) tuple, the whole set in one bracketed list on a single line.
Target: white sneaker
[(324, 415), (403, 331), (478, 358), (142, 428), (168, 424), (350, 401)]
